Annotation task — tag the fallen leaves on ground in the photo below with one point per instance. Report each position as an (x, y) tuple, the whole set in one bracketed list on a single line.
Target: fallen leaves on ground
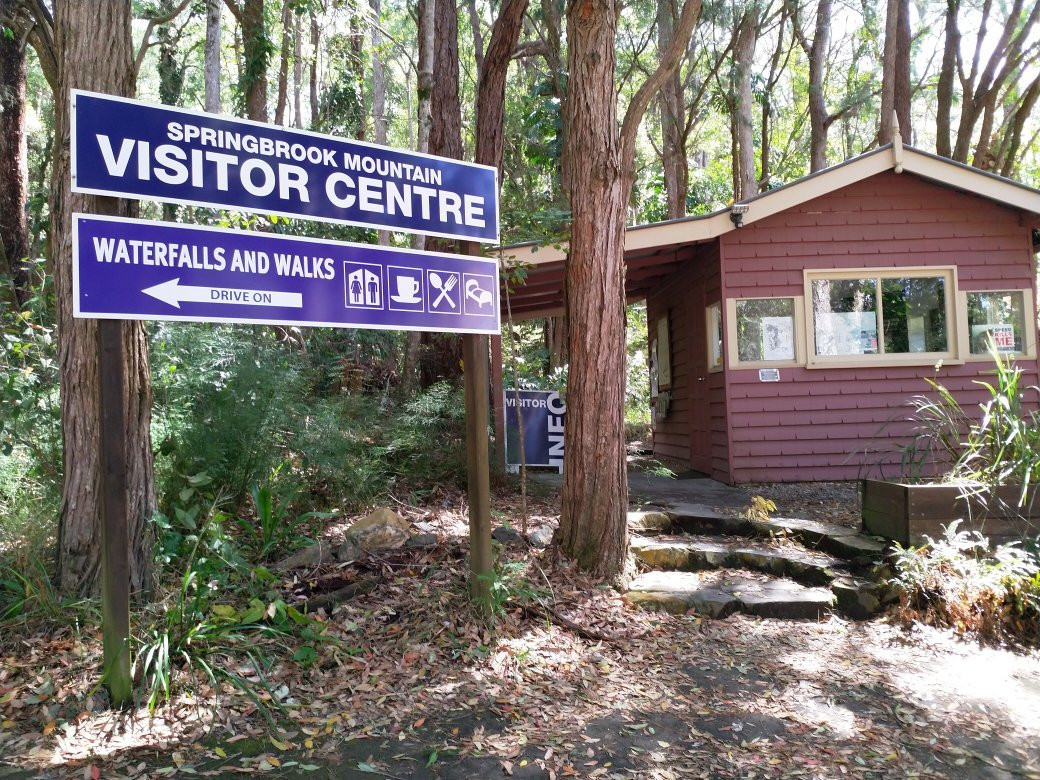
[(680, 697)]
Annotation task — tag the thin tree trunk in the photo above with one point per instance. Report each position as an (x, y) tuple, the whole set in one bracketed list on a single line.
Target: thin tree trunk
[(743, 57), (478, 38), (313, 79), (297, 70), (14, 165), (902, 89), (1013, 135), (379, 123), (888, 71), (211, 66), (818, 114), (424, 88), (356, 68), (673, 146), (94, 52), (944, 88), (283, 64)]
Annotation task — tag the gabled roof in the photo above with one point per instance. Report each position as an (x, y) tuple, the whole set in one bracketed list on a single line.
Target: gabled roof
[(891, 157)]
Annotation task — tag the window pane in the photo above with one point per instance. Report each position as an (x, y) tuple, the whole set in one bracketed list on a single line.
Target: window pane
[(914, 311), (715, 335), (999, 316), (765, 330), (845, 316)]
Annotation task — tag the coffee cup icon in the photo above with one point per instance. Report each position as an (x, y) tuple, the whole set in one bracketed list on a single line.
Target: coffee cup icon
[(407, 289)]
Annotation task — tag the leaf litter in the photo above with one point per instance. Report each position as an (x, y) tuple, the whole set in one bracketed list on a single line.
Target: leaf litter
[(420, 684)]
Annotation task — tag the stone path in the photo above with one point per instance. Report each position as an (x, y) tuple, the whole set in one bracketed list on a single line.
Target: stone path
[(715, 564)]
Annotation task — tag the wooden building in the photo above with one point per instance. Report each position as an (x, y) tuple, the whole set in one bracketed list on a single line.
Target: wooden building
[(791, 329)]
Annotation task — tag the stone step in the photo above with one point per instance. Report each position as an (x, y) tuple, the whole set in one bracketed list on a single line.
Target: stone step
[(848, 543), (693, 553), (720, 594)]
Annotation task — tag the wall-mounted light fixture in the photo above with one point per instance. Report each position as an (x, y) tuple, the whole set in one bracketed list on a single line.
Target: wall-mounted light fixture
[(737, 212)]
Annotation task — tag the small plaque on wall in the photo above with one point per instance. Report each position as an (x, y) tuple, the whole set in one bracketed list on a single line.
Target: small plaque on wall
[(769, 375)]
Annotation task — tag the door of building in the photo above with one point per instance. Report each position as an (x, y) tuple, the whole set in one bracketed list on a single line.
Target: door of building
[(700, 395)]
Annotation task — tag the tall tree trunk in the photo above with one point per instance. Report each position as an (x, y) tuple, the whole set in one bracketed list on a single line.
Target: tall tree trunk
[(944, 88), (211, 64), (595, 487), (599, 167), (818, 115), (902, 89), (888, 71), (743, 58), (356, 69), (313, 78), (14, 165), (478, 38), (424, 88), (673, 142), (379, 122), (440, 356), (94, 52), (256, 54), (283, 64), (171, 79), (297, 70), (555, 334)]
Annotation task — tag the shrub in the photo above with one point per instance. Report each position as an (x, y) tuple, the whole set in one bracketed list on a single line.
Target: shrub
[(957, 581), (1001, 447)]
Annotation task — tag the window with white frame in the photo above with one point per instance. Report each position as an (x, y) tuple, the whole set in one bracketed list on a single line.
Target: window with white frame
[(997, 319), (765, 330), (885, 315)]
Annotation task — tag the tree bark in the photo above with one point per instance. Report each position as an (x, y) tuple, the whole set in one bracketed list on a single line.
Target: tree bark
[(211, 57), (599, 169), (424, 88), (595, 488), (743, 58), (14, 168), (297, 119), (888, 70), (440, 354), (256, 53), (944, 88), (356, 69), (94, 52), (902, 88), (673, 142), (818, 114), (313, 78), (283, 64)]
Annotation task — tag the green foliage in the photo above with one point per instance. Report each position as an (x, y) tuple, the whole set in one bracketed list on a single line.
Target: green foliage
[(1001, 447), (957, 581), (507, 584)]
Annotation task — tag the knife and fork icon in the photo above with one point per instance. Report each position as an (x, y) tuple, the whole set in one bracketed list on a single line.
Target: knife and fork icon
[(445, 286)]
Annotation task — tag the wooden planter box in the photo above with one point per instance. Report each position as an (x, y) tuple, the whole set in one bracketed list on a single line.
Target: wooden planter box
[(906, 512)]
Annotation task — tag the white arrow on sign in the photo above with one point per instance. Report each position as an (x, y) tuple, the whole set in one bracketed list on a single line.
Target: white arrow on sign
[(174, 294)]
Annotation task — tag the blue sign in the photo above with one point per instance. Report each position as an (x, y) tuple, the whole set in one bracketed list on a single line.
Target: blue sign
[(542, 413), (132, 149), (142, 270)]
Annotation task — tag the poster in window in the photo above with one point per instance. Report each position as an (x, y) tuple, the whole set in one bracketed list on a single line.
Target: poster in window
[(664, 355), (1003, 335), (846, 333), (778, 338)]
